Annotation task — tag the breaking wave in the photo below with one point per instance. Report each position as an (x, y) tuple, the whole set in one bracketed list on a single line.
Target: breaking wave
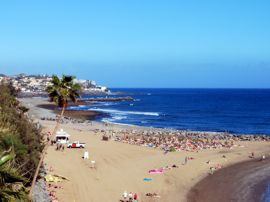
[(113, 111)]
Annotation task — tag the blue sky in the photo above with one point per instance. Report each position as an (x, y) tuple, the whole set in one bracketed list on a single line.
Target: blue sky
[(139, 43)]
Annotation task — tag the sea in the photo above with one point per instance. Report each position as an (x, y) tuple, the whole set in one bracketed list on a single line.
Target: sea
[(237, 111)]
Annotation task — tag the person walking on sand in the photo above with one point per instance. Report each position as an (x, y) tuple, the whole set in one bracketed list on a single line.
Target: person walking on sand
[(186, 160), (57, 146), (212, 169), (86, 155)]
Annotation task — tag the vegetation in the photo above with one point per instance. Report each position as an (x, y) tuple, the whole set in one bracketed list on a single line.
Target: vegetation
[(61, 91), (20, 146), (12, 182)]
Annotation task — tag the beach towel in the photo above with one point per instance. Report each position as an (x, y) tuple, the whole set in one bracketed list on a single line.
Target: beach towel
[(147, 179), (156, 171), (54, 178)]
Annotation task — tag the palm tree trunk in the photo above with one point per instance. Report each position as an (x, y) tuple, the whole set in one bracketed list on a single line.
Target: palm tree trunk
[(59, 120), (44, 152)]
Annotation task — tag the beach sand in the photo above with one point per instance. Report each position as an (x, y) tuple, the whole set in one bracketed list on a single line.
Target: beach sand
[(122, 167)]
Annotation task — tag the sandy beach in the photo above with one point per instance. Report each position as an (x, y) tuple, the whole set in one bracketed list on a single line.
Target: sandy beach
[(123, 167)]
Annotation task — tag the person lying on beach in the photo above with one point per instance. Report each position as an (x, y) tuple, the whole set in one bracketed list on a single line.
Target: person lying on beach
[(166, 151), (252, 156), (175, 166), (93, 164), (125, 195), (129, 197), (218, 166), (135, 198), (154, 195)]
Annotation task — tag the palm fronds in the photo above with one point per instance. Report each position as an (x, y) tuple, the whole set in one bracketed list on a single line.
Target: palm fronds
[(11, 181), (63, 89)]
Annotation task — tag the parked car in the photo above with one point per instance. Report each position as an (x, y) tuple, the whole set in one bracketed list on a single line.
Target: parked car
[(76, 144)]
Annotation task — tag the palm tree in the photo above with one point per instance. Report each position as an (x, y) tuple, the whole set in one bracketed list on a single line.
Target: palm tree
[(61, 91), (11, 182)]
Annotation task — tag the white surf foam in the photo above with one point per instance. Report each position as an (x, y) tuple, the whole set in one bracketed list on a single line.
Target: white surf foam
[(119, 117), (113, 111), (111, 121)]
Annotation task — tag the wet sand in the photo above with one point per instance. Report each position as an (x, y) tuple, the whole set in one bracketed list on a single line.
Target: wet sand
[(74, 114), (243, 181), (41, 108)]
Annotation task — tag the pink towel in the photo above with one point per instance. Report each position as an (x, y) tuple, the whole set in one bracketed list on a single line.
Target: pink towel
[(156, 171)]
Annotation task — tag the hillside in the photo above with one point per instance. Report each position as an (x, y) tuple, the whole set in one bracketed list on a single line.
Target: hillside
[(20, 146)]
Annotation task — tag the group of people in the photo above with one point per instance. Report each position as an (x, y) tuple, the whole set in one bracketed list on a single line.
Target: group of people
[(52, 191), (59, 146), (174, 140), (133, 197), (129, 197), (170, 143)]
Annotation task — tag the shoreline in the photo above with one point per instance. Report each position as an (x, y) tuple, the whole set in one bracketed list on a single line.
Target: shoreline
[(116, 171), (74, 114), (93, 115)]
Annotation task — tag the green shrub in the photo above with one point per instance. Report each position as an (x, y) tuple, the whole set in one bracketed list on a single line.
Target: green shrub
[(19, 133)]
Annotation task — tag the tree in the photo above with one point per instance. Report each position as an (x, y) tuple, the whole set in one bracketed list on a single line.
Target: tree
[(61, 91)]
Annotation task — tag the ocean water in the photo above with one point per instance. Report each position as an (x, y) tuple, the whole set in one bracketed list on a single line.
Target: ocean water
[(222, 110)]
